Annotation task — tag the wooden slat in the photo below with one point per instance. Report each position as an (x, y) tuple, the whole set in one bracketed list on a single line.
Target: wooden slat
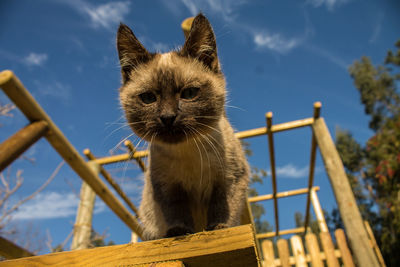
[(313, 250), (268, 253), (329, 249), (350, 214), (344, 249), (281, 194), (273, 172), (234, 247), (161, 264), (122, 157), (18, 143), (298, 251), (317, 111), (283, 250), (34, 112), (9, 250)]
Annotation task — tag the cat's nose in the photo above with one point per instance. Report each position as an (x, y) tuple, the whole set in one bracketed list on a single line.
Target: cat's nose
[(168, 120)]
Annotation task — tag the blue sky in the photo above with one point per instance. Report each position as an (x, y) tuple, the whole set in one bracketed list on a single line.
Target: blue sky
[(278, 56)]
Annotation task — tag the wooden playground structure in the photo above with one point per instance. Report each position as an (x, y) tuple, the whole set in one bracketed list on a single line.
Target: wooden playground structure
[(237, 246)]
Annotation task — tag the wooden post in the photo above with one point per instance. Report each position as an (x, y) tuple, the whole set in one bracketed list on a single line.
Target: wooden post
[(9, 250), (283, 250), (350, 214), (83, 222), (374, 244), (17, 144), (273, 173), (323, 227), (268, 252), (344, 249), (317, 111), (313, 250), (34, 112), (298, 251)]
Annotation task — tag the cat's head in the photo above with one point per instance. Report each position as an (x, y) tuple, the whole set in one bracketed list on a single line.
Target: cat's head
[(173, 96)]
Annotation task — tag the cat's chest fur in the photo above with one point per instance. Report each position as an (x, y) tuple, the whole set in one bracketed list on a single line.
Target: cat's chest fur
[(196, 164)]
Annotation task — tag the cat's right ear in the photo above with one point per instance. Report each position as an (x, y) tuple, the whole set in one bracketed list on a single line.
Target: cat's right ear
[(130, 51)]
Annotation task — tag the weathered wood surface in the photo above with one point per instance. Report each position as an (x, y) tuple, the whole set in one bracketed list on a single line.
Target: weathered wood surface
[(267, 248), (350, 214), (234, 247), (284, 254), (298, 251), (313, 250), (15, 90), (9, 250), (161, 264), (329, 249), (84, 216), (18, 143), (344, 249)]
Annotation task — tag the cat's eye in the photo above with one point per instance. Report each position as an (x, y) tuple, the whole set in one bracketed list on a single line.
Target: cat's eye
[(148, 97), (189, 93)]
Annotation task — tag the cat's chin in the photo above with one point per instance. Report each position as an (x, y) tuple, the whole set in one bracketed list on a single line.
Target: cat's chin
[(171, 139)]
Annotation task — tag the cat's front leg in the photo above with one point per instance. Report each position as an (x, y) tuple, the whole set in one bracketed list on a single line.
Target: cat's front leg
[(218, 209), (175, 205)]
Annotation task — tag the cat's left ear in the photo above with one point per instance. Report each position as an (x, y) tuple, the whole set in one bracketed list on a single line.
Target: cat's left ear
[(130, 51), (201, 44)]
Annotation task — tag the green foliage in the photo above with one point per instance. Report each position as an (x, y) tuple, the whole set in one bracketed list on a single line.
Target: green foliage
[(374, 169), (312, 224)]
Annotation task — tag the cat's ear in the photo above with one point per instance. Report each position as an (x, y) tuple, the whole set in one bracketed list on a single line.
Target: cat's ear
[(130, 51), (201, 44)]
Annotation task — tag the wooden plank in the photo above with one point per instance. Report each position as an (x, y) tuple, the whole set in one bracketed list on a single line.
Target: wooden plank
[(273, 172), (281, 194), (34, 112), (329, 249), (317, 111), (122, 157), (344, 249), (18, 143), (84, 216), (313, 250), (233, 247), (350, 214), (282, 232), (267, 248), (298, 251), (9, 250), (283, 250)]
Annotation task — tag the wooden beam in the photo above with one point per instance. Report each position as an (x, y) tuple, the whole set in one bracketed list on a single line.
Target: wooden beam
[(344, 249), (282, 232), (319, 213), (374, 244), (9, 250), (233, 247), (34, 112), (111, 181), (281, 194), (273, 173), (350, 214), (18, 143), (122, 157), (317, 112), (132, 150)]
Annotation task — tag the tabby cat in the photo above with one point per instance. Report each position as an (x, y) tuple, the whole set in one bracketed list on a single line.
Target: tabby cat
[(197, 175)]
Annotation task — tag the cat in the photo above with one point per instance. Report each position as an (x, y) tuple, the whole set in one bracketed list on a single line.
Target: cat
[(198, 175)]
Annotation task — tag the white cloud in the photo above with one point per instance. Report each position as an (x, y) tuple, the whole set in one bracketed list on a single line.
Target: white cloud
[(330, 4), (292, 171), (55, 89), (329, 55), (377, 28), (275, 42), (103, 15), (52, 205), (34, 59)]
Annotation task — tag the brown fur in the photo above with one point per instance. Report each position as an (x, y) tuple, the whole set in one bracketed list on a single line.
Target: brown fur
[(198, 175)]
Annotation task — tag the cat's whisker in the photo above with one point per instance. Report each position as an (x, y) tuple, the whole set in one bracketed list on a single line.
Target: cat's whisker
[(229, 106), (208, 126), (201, 160), (120, 142)]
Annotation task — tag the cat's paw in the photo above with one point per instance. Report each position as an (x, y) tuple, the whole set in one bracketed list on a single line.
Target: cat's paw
[(178, 231), (217, 226)]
